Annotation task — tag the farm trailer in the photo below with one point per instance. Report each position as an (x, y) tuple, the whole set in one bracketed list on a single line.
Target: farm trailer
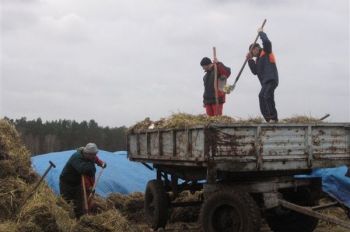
[(244, 172)]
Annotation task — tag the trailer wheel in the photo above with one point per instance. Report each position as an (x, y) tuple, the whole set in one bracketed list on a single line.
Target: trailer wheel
[(230, 211), (156, 204), (285, 220)]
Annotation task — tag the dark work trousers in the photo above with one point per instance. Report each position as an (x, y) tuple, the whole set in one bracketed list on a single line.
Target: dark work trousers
[(267, 101), (73, 194)]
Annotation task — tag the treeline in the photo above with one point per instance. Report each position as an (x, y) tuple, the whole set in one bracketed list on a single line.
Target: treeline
[(60, 135)]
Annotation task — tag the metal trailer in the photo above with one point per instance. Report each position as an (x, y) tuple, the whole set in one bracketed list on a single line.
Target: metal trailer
[(245, 172)]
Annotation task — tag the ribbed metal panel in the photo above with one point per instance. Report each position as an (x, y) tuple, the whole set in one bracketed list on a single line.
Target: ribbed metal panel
[(246, 147)]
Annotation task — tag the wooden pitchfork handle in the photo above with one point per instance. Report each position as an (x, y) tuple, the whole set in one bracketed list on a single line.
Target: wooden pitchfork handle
[(51, 165), (246, 60), (86, 206), (94, 187), (216, 82)]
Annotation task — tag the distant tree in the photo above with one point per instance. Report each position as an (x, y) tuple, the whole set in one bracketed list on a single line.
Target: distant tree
[(65, 134)]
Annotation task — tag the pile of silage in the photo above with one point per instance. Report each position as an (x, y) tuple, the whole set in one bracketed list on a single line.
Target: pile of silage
[(335, 212), (8, 226), (186, 214), (131, 206), (301, 119), (108, 221), (183, 120), (16, 175), (14, 157), (12, 192), (338, 213), (44, 211)]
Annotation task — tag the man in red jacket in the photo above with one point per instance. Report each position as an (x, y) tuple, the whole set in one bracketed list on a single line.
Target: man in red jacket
[(209, 96)]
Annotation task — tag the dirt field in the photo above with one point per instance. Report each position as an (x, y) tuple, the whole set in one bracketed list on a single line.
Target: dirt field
[(322, 226)]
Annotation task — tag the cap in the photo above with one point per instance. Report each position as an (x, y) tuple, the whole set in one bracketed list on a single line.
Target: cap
[(90, 148), (205, 61), (254, 45)]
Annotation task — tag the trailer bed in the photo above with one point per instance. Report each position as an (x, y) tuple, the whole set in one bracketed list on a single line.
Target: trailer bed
[(245, 147)]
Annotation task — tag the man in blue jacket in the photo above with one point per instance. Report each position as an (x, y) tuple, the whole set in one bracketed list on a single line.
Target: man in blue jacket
[(264, 66)]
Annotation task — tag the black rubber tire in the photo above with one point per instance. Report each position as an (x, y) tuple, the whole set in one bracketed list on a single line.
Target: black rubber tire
[(284, 220), (156, 204), (230, 211)]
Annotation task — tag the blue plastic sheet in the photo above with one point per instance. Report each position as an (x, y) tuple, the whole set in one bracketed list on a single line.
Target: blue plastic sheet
[(124, 176), (334, 183), (120, 176)]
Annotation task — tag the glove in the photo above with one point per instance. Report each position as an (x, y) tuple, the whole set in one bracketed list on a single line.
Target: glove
[(249, 56), (260, 29), (228, 89), (104, 165)]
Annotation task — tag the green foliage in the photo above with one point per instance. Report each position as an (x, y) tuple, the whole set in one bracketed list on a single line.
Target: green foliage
[(59, 135)]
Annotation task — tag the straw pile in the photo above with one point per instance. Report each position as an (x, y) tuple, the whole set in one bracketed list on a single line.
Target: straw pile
[(335, 212), (12, 191), (15, 172), (46, 212), (180, 120), (183, 120), (43, 212), (8, 226), (301, 119), (14, 157), (131, 206), (109, 221), (185, 214)]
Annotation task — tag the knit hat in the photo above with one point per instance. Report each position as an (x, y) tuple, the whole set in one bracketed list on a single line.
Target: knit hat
[(205, 61), (254, 45), (90, 148)]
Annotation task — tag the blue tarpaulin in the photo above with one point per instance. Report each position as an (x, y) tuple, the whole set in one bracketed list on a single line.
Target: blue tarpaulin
[(124, 176), (121, 175), (334, 183)]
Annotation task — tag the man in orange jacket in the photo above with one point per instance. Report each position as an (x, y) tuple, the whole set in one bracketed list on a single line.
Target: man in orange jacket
[(265, 68)]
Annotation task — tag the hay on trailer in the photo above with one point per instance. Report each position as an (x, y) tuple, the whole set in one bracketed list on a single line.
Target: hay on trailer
[(301, 119), (251, 120), (180, 121), (142, 125), (109, 221), (183, 120)]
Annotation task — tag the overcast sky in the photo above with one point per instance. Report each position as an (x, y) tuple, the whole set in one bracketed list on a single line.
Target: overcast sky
[(118, 62)]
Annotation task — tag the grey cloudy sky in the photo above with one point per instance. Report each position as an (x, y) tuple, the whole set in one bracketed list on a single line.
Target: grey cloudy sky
[(118, 62)]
